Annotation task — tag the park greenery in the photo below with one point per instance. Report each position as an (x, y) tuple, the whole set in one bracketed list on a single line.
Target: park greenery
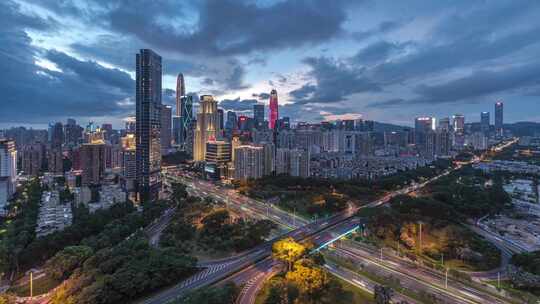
[(121, 273), (17, 232), (523, 274), (312, 197), (527, 261), (205, 225), (98, 230), (444, 238), (471, 193), (21, 250)]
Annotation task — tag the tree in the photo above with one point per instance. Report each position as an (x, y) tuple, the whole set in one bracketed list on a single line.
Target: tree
[(61, 296), (281, 291), (310, 279), (179, 192), (7, 299), (288, 251), (214, 222), (383, 294), (64, 262)]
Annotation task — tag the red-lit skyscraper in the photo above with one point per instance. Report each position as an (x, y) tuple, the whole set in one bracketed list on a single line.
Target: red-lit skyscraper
[(274, 114)]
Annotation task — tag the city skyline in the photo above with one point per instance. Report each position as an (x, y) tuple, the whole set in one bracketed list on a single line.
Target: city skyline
[(391, 67)]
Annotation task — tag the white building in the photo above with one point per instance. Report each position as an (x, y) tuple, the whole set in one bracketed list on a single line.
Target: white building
[(8, 172)]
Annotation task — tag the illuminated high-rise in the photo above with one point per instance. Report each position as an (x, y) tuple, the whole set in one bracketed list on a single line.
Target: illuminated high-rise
[(499, 107), (274, 114), (207, 126), (148, 124)]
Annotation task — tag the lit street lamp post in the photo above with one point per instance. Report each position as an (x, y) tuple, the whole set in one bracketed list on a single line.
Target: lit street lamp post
[(31, 284)]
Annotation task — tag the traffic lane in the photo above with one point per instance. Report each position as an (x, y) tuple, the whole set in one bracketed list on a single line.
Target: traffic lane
[(404, 281), (422, 278), (363, 282)]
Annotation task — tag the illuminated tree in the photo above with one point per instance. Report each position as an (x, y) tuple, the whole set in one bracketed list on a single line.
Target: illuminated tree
[(310, 279), (288, 251)]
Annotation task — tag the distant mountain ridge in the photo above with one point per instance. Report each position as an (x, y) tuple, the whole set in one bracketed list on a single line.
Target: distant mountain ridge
[(388, 127)]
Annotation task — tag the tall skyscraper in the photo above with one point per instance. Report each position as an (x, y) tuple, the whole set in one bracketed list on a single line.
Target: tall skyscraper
[(444, 124), (180, 92), (258, 115), (166, 112), (423, 125), (148, 124), (221, 119), (183, 125), (459, 123), (274, 114), (484, 122), (207, 126), (499, 107)]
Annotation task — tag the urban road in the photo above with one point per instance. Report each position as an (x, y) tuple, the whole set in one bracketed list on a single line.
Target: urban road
[(410, 275), (252, 268)]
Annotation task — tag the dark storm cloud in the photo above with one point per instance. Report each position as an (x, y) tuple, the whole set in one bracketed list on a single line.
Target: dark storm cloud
[(121, 52), (91, 72), (335, 81), (34, 94), (304, 92), (230, 27), (235, 81), (261, 96), (472, 87), (461, 41), (12, 18), (377, 52), (468, 50), (238, 104)]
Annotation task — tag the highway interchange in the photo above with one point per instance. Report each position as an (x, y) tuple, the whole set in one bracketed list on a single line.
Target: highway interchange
[(251, 269)]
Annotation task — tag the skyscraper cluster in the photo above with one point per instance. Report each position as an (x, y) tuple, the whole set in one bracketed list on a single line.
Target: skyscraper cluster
[(432, 141), (227, 144)]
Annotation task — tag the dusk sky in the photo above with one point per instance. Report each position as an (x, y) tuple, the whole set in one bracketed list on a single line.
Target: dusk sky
[(383, 60)]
